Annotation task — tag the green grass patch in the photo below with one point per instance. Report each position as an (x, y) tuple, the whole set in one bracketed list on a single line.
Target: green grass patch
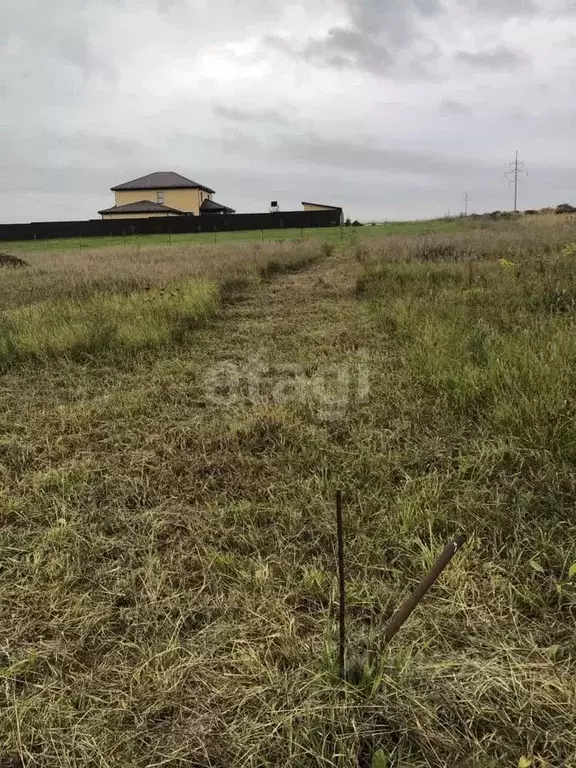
[(105, 322), (328, 234)]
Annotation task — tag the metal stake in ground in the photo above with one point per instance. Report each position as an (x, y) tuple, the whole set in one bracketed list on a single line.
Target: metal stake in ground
[(406, 609), (341, 586)]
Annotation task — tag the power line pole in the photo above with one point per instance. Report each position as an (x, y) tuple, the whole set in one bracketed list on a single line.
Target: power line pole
[(466, 199), (516, 170)]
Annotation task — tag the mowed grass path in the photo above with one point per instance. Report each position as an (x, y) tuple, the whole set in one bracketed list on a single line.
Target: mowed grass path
[(168, 567)]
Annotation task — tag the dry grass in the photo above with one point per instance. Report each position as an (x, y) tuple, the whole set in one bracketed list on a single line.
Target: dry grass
[(167, 562), (520, 239), (121, 300), (124, 269)]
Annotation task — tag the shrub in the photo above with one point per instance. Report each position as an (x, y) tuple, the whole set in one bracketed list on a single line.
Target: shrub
[(7, 260), (558, 300), (432, 250), (565, 208), (327, 249)]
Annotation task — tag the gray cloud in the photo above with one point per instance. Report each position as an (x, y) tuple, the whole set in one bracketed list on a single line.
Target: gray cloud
[(366, 154), (453, 108), (394, 19), (343, 48), (506, 8), (379, 34), (67, 35), (387, 37), (247, 115), (348, 48), (362, 103), (235, 142), (499, 58)]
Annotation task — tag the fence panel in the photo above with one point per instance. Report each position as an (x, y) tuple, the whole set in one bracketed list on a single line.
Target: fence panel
[(47, 230)]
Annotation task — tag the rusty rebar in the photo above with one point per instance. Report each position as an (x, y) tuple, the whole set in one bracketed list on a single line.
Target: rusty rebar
[(411, 602), (341, 587)]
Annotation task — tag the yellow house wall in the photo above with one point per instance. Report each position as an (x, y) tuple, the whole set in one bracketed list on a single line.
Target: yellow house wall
[(312, 207), (137, 215), (187, 200)]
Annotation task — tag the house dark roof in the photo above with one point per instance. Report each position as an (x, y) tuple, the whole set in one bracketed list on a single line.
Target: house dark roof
[(210, 206), (161, 180), (323, 205), (142, 206)]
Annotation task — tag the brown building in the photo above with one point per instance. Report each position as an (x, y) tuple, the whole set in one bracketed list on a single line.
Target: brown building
[(164, 193), (322, 207)]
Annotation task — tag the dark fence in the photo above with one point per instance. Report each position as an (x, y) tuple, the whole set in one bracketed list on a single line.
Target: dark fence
[(46, 230)]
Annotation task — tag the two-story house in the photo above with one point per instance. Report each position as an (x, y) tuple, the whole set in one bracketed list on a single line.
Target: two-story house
[(164, 193)]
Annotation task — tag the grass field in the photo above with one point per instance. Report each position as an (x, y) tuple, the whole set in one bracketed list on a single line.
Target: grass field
[(167, 499), (329, 234)]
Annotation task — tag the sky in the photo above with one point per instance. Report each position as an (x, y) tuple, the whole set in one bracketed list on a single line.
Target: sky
[(393, 109)]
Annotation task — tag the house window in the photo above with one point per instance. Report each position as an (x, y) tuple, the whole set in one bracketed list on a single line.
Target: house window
[(160, 197)]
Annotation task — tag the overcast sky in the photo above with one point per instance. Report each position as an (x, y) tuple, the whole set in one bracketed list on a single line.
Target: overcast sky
[(390, 108)]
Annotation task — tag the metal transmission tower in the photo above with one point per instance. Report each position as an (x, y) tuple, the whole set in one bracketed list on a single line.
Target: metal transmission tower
[(466, 201), (516, 171)]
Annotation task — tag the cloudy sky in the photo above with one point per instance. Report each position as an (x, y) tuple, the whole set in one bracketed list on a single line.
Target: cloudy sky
[(390, 108)]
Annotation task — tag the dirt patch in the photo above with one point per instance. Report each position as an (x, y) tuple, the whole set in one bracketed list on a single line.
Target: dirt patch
[(7, 260)]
